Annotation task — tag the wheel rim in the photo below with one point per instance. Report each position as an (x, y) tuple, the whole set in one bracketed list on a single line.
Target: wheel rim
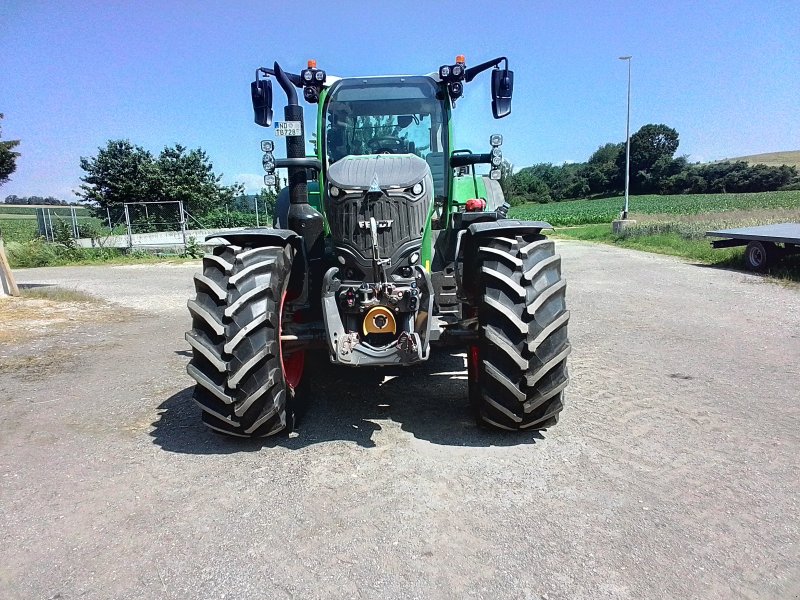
[(756, 256), (292, 363)]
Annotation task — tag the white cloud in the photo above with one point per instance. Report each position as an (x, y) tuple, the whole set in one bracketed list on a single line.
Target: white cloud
[(252, 182)]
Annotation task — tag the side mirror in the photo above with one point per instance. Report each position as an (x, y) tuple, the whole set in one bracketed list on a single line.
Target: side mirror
[(261, 93), (502, 90)]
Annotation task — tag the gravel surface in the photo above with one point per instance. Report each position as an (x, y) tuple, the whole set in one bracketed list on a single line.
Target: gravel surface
[(673, 472)]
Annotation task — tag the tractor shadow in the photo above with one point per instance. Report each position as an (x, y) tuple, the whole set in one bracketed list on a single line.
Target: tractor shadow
[(428, 401)]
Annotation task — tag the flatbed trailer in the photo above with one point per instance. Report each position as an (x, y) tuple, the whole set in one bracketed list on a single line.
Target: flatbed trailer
[(765, 244)]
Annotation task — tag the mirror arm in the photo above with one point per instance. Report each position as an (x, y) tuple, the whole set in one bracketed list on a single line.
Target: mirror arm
[(473, 72), (464, 160), (299, 163), (295, 79)]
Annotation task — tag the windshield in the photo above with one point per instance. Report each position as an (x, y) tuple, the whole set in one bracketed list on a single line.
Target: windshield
[(387, 115)]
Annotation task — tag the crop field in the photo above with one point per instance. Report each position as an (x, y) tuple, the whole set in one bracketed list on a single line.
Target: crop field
[(605, 210)]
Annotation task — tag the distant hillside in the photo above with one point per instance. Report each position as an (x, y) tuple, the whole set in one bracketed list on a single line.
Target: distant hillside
[(773, 159)]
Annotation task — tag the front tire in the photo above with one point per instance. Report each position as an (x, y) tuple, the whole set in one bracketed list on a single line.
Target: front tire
[(245, 383), (518, 368)]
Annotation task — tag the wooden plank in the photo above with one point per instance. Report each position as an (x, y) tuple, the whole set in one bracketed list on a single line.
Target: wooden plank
[(7, 283)]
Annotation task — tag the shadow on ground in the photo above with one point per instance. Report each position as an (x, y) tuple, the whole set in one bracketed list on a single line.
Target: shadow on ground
[(429, 401)]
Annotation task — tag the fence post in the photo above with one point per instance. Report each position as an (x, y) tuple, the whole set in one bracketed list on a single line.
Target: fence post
[(255, 201), (52, 233), (128, 224), (108, 214), (41, 223), (75, 232), (183, 223)]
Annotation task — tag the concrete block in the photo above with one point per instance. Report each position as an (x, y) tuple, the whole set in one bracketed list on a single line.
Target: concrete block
[(619, 225)]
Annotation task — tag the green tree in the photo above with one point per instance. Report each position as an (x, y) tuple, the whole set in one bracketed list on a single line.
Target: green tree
[(602, 171), (121, 172), (607, 153), (651, 144), (506, 177), (8, 158), (188, 176)]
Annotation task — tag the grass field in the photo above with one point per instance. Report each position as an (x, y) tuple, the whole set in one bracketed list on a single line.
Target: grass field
[(674, 225), (6, 209), (772, 159), (605, 210), (18, 223)]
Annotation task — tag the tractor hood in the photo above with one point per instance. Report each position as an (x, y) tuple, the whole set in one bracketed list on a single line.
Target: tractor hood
[(378, 172)]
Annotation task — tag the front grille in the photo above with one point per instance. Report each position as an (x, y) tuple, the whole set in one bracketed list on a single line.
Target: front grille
[(407, 214)]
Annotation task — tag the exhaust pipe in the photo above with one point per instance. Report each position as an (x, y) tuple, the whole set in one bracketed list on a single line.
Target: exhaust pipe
[(303, 218)]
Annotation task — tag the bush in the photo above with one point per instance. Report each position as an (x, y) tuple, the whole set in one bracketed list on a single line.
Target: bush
[(193, 249), (223, 218), (39, 253)]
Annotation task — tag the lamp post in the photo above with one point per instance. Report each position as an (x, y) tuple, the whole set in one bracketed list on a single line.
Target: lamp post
[(627, 140)]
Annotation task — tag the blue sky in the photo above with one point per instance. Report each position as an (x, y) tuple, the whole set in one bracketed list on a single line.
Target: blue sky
[(74, 74)]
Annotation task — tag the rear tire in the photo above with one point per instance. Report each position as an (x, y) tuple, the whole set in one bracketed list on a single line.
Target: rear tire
[(758, 256), (518, 369), (244, 384)]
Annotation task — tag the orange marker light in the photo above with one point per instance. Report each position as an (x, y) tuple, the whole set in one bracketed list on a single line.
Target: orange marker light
[(460, 59), (312, 64)]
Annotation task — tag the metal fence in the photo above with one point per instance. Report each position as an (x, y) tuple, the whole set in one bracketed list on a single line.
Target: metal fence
[(138, 224)]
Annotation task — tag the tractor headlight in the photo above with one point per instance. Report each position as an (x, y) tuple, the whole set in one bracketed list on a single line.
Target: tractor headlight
[(444, 72), (495, 174), (458, 71), (496, 140), (417, 189), (308, 75), (497, 152), (319, 76), (267, 145), (333, 191), (496, 160), (270, 180), (268, 162)]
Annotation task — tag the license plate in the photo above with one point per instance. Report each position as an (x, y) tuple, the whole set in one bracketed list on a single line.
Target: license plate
[(288, 128)]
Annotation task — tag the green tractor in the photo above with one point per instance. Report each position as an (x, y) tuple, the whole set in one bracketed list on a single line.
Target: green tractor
[(388, 244)]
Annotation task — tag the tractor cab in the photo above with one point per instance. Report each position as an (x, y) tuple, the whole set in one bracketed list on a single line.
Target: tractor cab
[(387, 115)]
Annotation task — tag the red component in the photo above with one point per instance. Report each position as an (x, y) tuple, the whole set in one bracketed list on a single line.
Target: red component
[(474, 363), (461, 59), (476, 205), (292, 363), (312, 64)]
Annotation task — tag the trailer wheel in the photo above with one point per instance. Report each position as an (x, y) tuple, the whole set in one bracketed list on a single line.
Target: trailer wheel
[(759, 255), (245, 379), (518, 368)]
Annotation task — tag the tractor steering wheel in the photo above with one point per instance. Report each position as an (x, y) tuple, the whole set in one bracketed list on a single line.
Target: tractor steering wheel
[(387, 144)]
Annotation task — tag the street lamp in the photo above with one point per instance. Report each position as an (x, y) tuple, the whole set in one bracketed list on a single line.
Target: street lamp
[(627, 140)]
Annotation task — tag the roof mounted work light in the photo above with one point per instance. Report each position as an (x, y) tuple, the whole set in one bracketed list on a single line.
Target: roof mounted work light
[(313, 79), (453, 76)]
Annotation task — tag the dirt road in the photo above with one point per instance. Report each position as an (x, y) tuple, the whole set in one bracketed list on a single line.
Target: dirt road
[(674, 472)]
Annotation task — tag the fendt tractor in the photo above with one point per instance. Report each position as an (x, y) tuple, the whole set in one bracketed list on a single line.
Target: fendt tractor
[(388, 244)]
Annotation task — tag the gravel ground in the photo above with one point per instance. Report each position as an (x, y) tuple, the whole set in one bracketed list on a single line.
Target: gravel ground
[(672, 474)]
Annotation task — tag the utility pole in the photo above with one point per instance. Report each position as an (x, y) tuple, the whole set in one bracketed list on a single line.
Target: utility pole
[(627, 140)]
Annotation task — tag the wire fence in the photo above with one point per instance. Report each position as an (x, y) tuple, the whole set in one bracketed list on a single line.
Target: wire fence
[(125, 225)]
